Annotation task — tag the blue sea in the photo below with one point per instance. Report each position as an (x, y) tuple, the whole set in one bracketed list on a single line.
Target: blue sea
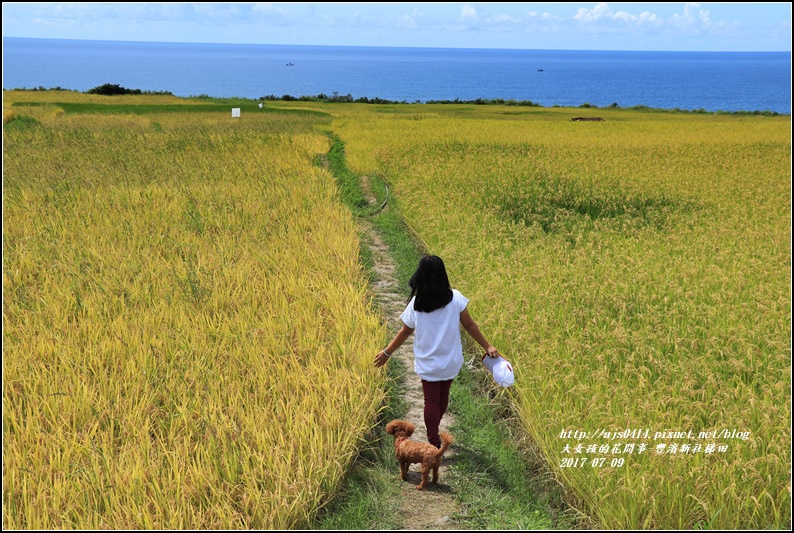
[(712, 81)]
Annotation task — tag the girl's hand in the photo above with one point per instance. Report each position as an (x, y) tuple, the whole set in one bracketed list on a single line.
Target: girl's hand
[(492, 352), (381, 359)]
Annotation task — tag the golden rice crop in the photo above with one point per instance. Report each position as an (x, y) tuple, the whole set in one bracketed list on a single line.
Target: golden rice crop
[(187, 333), (637, 272)]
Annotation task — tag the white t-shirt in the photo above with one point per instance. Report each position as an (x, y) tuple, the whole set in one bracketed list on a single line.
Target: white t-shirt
[(438, 352)]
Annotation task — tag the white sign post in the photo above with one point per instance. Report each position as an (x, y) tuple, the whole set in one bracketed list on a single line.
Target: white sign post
[(235, 112)]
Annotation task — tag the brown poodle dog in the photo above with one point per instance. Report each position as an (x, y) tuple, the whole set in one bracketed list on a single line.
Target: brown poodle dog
[(408, 451)]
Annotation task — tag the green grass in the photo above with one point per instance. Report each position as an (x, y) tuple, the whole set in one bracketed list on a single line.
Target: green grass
[(348, 183), (567, 206), (498, 482), (405, 246), (148, 109), (369, 498), (21, 122)]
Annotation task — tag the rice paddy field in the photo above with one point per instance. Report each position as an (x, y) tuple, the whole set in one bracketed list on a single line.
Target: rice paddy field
[(188, 333), (637, 273), (187, 329)]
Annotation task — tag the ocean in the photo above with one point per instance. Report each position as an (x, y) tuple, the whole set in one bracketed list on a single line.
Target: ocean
[(711, 81)]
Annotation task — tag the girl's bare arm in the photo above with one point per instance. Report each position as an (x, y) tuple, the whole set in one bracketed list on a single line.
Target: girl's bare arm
[(472, 329), (398, 341)]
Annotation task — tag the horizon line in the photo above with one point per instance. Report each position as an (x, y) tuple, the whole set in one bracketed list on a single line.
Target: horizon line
[(405, 47)]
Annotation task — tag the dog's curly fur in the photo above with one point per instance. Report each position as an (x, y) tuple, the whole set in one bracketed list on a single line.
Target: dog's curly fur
[(408, 451)]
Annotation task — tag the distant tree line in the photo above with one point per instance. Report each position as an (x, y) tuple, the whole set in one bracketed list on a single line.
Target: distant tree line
[(346, 99), (110, 89), (115, 89), (41, 88), (107, 89), (487, 101), (335, 98)]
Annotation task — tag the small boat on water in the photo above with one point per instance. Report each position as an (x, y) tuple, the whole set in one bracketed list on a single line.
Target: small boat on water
[(290, 65)]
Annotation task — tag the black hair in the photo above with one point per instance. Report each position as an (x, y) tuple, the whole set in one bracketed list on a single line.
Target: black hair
[(430, 285)]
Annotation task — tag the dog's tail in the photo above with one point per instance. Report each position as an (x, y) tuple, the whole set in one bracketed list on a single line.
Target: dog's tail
[(446, 440)]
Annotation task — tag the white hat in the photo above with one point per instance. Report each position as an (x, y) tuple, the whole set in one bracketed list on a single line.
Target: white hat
[(501, 370)]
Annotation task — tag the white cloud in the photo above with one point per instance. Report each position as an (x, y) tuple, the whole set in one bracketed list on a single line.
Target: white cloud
[(409, 21), (471, 19), (603, 16), (646, 17), (505, 19), (691, 18), (266, 7), (468, 12), (600, 11), (593, 24), (783, 28)]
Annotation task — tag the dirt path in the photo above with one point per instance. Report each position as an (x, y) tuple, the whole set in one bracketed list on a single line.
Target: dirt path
[(432, 507)]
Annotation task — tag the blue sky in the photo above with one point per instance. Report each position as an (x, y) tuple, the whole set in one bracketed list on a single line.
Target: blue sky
[(676, 26)]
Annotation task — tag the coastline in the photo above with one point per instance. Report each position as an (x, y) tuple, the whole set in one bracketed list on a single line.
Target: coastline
[(708, 81)]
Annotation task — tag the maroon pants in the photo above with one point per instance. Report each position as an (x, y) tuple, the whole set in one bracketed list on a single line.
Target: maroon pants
[(436, 401)]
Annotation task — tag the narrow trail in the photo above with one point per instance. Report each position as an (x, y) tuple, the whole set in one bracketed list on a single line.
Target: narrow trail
[(431, 507)]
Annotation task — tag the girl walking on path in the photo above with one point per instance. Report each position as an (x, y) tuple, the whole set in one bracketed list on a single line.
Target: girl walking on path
[(433, 314)]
